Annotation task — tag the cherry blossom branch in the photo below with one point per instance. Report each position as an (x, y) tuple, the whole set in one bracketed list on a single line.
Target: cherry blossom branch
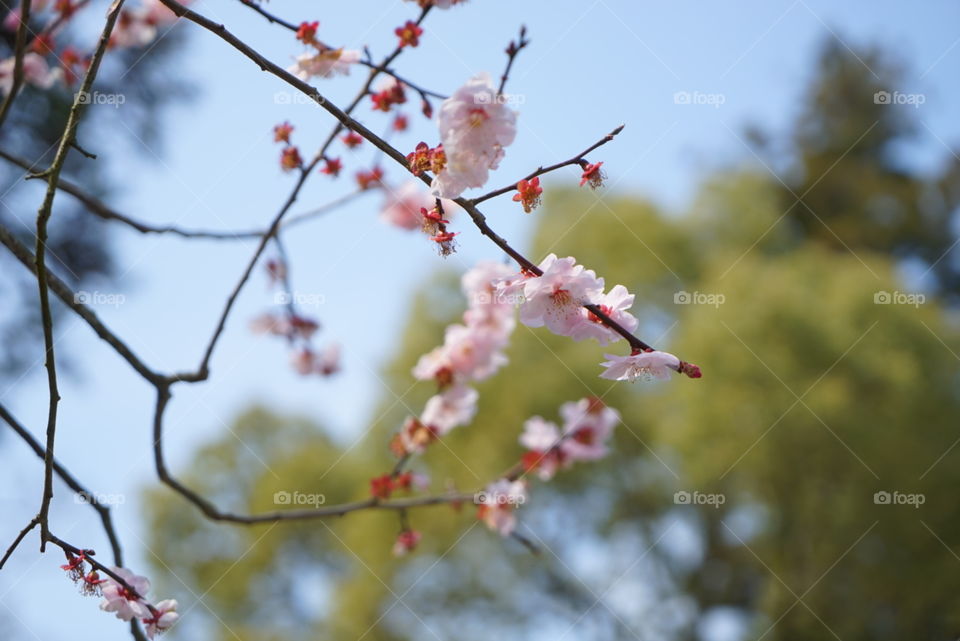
[(579, 159), (478, 218), (52, 175), (214, 513), (274, 19), (203, 371), (20, 49), (88, 556), (513, 49)]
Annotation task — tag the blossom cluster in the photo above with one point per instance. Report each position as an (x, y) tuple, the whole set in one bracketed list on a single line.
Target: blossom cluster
[(587, 426), (321, 60), (125, 598), (471, 351), (298, 330)]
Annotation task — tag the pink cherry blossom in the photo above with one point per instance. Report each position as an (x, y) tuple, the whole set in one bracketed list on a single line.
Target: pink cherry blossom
[(495, 505), (36, 72), (163, 620), (587, 426), (324, 64), (475, 125), (614, 304), (646, 366), (117, 598), (402, 206), (453, 407), (542, 439), (555, 298), (467, 353)]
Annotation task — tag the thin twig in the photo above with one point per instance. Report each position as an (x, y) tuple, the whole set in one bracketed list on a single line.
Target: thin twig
[(20, 49), (100, 209), (513, 49), (579, 159), (52, 175), (16, 542)]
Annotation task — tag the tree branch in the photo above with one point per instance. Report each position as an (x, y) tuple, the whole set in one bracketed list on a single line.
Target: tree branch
[(52, 175)]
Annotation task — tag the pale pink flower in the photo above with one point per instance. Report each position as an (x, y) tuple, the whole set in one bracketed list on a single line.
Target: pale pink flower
[(118, 599), (556, 297), (486, 305), (155, 12), (475, 125), (614, 304), (36, 72), (402, 206), (133, 30), (587, 426), (539, 435), (453, 407), (327, 362), (467, 353), (163, 620), (646, 366), (303, 361), (324, 64), (271, 324), (495, 505), (542, 439)]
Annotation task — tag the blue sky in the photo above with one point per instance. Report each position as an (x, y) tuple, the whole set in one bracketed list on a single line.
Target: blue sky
[(591, 66)]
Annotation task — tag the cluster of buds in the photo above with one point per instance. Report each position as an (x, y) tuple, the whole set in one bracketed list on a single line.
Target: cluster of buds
[(424, 158), (290, 156), (382, 487), (389, 92)]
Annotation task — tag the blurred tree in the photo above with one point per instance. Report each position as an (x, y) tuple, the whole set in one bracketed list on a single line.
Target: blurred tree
[(78, 247), (850, 187)]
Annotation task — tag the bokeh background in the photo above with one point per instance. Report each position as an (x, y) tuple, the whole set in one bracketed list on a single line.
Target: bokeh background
[(782, 201)]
